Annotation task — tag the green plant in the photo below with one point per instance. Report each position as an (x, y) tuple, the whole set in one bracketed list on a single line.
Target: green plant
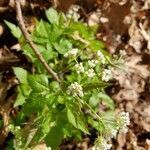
[(52, 110)]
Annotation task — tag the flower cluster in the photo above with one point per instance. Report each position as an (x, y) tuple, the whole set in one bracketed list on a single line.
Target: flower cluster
[(113, 133), (72, 53), (102, 145), (79, 68), (90, 73), (16, 130), (75, 89), (73, 13), (102, 57), (106, 75), (92, 63), (123, 121)]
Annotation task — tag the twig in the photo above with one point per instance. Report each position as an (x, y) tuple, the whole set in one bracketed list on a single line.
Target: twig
[(55, 3), (29, 41)]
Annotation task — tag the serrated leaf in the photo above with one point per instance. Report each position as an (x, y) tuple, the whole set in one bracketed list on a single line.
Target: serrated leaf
[(56, 134), (38, 83), (54, 137), (81, 28), (76, 119), (71, 117), (63, 46), (55, 34), (96, 45), (16, 32), (23, 93), (21, 74), (20, 100), (41, 29), (27, 50), (52, 16), (44, 125), (39, 40)]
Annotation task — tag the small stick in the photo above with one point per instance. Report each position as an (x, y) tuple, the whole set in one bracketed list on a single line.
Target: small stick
[(29, 41), (55, 3)]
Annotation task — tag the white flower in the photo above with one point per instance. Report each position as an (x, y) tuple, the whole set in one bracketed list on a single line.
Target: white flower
[(90, 73), (75, 89), (106, 75), (100, 54), (48, 148), (125, 117), (71, 53), (124, 121), (92, 63), (79, 68), (113, 133), (122, 52), (73, 13), (103, 145)]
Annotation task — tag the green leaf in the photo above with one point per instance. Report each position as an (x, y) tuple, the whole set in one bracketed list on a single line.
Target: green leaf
[(21, 74), (39, 40), (94, 85), (49, 53), (96, 45), (56, 134), (81, 28), (52, 16), (38, 83), (55, 34), (106, 100), (27, 50), (94, 100), (20, 100), (62, 19), (76, 119), (63, 46), (16, 32), (44, 125), (41, 29), (23, 93), (72, 119)]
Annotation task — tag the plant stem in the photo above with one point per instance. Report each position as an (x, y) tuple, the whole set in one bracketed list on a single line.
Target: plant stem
[(99, 118), (29, 41)]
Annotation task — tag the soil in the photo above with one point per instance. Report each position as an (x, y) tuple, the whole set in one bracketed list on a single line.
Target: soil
[(124, 28)]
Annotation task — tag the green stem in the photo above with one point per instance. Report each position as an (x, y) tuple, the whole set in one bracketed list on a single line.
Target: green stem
[(100, 119)]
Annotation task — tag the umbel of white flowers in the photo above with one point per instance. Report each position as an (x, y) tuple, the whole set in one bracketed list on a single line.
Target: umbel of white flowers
[(79, 68), (101, 57), (73, 13), (92, 63), (104, 143), (72, 53), (90, 73), (75, 89), (106, 75), (123, 121)]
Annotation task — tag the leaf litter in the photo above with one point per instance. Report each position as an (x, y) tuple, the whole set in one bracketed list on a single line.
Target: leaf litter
[(124, 25)]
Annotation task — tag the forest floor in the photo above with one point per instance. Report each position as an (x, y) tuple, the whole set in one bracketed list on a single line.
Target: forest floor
[(124, 26)]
